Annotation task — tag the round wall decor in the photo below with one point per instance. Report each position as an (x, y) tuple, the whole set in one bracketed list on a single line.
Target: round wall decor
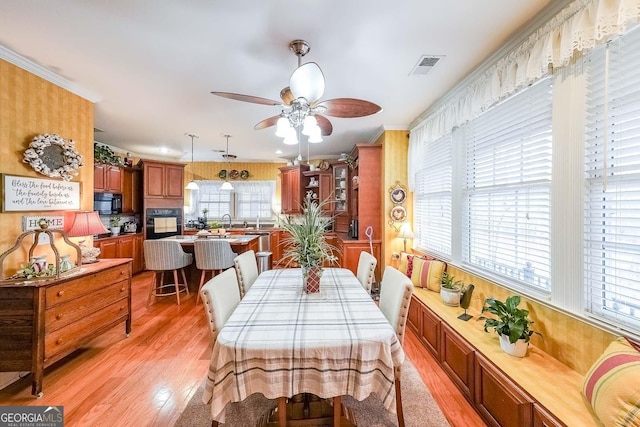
[(53, 156), (398, 213)]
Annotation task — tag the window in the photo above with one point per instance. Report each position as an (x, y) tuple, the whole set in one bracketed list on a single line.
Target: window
[(506, 197), (432, 198), (612, 169), (247, 200)]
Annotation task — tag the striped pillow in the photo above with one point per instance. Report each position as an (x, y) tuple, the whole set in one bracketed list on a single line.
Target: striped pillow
[(612, 385), (427, 273)]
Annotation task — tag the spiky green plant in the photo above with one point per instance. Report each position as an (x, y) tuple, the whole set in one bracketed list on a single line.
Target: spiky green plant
[(306, 246), (512, 321)]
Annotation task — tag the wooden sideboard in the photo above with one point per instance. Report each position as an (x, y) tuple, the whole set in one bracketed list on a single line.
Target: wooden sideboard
[(43, 321)]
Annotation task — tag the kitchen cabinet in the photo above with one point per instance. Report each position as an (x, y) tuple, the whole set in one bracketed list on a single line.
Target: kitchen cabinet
[(365, 196), (430, 331), (107, 178), (319, 186), (163, 180), (131, 191), (293, 188), (44, 322), (340, 187), (456, 357), (123, 246), (350, 254)]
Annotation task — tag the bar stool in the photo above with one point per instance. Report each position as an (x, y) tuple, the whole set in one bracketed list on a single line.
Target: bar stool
[(161, 256), (212, 255)]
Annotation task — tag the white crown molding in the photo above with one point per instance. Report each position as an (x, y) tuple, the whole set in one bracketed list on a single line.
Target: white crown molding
[(40, 71)]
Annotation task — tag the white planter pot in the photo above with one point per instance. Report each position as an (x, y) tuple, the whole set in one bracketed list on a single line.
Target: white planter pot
[(450, 297), (517, 349), (115, 231)]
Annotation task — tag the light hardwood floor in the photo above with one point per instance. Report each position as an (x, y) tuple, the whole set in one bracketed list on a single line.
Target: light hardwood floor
[(148, 378)]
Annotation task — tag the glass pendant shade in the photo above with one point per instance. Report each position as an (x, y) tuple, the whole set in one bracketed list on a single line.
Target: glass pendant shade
[(291, 138), (316, 136), (226, 186), (192, 186), (282, 127), (310, 123)]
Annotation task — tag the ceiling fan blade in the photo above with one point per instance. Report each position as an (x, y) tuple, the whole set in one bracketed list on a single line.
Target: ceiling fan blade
[(325, 125), (286, 96), (307, 82), (247, 98), (267, 122), (348, 107)]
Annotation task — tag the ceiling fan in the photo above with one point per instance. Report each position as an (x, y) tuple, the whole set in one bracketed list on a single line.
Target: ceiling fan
[(300, 100)]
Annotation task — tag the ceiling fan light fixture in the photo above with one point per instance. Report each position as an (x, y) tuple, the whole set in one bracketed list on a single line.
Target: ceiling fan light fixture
[(316, 136), (310, 125), (282, 126), (291, 138)]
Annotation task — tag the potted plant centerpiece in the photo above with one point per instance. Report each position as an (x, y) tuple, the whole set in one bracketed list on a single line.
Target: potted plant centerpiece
[(512, 324), (450, 290), (306, 245)]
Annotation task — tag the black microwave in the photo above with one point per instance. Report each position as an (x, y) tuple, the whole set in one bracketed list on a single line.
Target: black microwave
[(107, 203)]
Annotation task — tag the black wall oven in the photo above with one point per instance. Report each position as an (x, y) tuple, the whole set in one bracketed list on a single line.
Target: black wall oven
[(163, 222)]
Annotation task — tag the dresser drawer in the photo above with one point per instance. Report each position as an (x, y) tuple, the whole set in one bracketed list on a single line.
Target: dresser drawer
[(67, 291), (69, 312), (75, 334)]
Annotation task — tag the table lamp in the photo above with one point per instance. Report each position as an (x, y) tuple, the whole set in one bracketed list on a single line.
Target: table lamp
[(406, 233), (87, 224)]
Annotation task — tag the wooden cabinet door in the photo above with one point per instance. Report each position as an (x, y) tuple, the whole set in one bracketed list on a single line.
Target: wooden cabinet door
[(457, 356), (126, 247), (174, 184), (413, 318), (154, 180), (351, 256), (498, 399), (285, 190), (542, 418), (99, 184), (113, 179), (108, 248), (138, 253), (325, 192), (430, 331), (131, 200)]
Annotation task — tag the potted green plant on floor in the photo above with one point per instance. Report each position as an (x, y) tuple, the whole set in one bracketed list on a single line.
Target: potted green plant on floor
[(450, 290), (512, 324), (306, 246)]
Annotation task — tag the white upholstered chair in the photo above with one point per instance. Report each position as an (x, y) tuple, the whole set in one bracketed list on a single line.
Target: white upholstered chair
[(247, 270), (395, 296), (366, 270), (220, 295), (161, 256), (212, 255)]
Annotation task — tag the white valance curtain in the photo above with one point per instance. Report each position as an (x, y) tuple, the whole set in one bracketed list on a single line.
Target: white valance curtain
[(581, 25)]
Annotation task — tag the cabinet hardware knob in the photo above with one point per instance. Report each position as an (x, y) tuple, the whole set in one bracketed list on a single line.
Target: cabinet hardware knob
[(59, 341), (122, 289), (60, 293), (59, 316)]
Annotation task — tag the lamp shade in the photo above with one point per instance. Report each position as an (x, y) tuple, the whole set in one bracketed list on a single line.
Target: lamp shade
[(86, 224), (406, 232)]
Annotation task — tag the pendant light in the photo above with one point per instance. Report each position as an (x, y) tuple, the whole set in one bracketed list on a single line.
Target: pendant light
[(227, 185), (192, 184)]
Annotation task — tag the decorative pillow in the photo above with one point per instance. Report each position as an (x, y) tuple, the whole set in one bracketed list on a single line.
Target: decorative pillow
[(612, 385), (427, 273), (404, 263)]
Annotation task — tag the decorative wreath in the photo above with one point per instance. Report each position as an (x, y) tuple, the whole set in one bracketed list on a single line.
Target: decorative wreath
[(53, 156)]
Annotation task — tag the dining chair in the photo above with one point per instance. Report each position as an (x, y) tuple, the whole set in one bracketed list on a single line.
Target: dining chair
[(161, 256), (212, 255), (366, 270), (395, 296), (246, 270), (221, 295)]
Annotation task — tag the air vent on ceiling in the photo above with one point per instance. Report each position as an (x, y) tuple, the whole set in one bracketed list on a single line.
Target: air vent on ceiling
[(229, 156), (425, 64)]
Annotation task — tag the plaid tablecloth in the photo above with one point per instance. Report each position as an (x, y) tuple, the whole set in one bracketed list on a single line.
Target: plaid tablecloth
[(280, 342)]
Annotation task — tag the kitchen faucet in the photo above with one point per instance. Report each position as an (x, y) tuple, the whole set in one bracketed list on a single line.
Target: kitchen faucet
[(222, 219)]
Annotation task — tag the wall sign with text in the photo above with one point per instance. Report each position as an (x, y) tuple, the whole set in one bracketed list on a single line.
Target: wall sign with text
[(22, 193)]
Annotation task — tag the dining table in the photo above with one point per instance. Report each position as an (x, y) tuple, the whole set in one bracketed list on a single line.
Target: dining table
[(281, 341)]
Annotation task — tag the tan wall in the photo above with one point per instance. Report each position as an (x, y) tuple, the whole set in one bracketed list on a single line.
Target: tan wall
[(395, 146), (210, 170), (30, 105)]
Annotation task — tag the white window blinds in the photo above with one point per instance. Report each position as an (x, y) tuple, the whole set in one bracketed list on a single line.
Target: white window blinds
[(506, 222), (432, 198), (612, 168)]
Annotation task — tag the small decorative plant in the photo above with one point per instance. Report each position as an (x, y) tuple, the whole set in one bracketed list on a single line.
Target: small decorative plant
[(450, 290), (511, 321), (105, 155), (114, 221), (449, 282)]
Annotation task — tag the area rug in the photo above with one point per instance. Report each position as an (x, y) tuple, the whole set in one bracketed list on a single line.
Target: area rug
[(420, 409)]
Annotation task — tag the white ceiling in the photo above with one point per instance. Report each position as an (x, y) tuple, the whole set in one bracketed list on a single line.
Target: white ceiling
[(153, 64)]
